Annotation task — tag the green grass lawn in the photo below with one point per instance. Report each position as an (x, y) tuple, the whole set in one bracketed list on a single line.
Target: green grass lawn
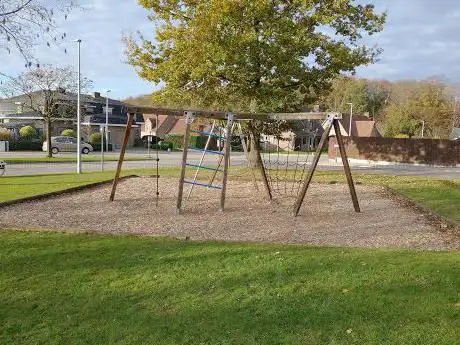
[(17, 187), (88, 289), (93, 158)]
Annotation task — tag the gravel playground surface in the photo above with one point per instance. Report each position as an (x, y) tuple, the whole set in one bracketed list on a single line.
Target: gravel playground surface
[(326, 218)]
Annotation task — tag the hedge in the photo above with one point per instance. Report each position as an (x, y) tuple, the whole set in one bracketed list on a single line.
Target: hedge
[(164, 145), (97, 147), (26, 145), (175, 139)]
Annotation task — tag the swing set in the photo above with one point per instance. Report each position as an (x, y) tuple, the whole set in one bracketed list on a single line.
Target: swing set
[(269, 175)]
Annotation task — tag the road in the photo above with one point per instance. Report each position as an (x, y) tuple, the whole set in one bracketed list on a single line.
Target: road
[(173, 159)]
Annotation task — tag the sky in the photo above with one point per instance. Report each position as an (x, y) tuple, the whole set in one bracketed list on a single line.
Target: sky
[(420, 40)]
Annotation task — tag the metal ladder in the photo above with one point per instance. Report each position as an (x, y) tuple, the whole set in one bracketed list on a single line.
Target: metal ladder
[(189, 118)]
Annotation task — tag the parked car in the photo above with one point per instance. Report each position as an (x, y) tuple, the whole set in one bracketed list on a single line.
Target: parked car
[(66, 144)]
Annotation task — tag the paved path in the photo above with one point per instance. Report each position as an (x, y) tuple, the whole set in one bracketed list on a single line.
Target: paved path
[(173, 159)]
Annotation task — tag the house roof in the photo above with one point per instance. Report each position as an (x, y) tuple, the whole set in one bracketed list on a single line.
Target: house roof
[(364, 129), (361, 126)]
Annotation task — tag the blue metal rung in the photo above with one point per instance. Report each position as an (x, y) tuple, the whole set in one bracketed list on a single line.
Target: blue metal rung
[(204, 167), (210, 135), (203, 185), (207, 151)]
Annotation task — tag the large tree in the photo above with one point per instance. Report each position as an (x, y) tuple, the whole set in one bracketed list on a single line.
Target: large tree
[(253, 55), (48, 91), (26, 23)]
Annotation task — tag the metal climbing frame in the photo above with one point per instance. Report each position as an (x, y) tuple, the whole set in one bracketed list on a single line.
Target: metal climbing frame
[(189, 117)]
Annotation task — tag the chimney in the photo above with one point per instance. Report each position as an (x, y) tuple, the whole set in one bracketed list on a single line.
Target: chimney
[(97, 95)]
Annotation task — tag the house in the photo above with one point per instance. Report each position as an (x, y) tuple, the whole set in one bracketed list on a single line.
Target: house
[(361, 126), (175, 126), (455, 134), (303, 136), (15, 114)]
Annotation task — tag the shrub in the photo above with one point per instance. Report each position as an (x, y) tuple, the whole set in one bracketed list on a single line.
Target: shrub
[(69, 133), (5, 135), (26, 145), (28, 132), (176, 140), (163, 145), (97, 147), (95, 138)]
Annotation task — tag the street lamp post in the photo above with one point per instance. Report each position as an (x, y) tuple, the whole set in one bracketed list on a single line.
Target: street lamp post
[(107, 120), (351, 118), (78, 113)]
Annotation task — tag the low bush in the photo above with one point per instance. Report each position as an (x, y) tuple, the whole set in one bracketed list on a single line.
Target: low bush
[(69, 133), (95, 138), (163, 145), (175, 139), (26, 145), (5, 135), (28, 133), (97, 147)]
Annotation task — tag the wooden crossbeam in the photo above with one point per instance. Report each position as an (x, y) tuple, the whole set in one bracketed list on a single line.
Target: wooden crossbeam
[(242, 116)]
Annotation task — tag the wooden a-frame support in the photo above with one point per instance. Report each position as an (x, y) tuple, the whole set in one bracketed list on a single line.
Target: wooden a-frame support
[(129, 125), (332, 121)]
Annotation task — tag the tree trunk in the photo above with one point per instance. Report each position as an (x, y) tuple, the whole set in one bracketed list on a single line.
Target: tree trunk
[(255, 143), (48, 137)]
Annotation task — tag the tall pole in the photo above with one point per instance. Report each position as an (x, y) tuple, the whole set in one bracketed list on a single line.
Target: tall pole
[(423, 127), (102, 147), (351, 118), (107, 121), (78, 113)]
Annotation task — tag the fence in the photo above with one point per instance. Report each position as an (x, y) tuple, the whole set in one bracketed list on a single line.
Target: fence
[(422, 151)]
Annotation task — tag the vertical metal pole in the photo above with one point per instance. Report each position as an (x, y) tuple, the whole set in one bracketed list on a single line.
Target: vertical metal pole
[(308, 177), (346, 166), (102, 147), (189, 116), (260, 163), (122, 155), (79, 112), (107, 121), (227, 146)]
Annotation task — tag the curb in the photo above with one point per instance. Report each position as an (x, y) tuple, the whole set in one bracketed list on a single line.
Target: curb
[(61, 192)]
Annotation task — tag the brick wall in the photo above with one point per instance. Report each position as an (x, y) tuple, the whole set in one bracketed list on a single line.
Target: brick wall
[(422, 151)]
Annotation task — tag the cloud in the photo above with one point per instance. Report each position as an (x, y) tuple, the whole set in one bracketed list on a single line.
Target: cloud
[(419, 40)]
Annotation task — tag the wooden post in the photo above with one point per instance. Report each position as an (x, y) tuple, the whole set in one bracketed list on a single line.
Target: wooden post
[(346, 166), (260, 163), (122, 155), (188, 118), (314, 164), (228, 143)]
